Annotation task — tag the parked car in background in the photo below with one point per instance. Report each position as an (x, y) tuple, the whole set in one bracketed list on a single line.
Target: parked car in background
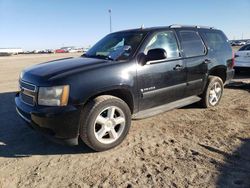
[(70, 49), (242, 58), (238, 43), (10, 51), (242, 43), (61, 51), (73, 50), (232, 43)]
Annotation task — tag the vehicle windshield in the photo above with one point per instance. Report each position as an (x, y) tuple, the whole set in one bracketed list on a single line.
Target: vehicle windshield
[(245, 48), (116, 46)]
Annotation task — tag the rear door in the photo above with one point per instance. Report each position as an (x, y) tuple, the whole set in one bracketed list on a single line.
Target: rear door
[(162, 81), (194, 52)]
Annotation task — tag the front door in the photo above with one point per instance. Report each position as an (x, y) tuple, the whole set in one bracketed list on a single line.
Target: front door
[(162, 81)]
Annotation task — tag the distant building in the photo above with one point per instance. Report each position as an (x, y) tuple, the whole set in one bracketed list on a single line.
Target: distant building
[(11, 50)]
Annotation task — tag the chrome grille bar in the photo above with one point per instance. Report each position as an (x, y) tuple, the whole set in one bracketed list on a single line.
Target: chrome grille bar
[(28, 92)]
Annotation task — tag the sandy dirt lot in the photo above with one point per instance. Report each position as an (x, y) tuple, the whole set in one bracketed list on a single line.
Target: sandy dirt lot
[(188, 147)]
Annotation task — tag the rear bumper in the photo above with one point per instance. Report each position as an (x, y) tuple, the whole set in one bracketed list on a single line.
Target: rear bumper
[(230, 76), (242, 64), (236, 68), (60, 124)]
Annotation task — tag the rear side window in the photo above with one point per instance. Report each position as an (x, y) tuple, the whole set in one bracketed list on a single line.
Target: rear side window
[(245, 48), (216, 41), (192, 44)]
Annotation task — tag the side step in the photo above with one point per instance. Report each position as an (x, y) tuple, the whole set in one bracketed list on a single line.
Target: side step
[(166, 107)]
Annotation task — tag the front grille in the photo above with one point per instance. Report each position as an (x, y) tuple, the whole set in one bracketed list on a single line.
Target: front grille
[(28, 86), (28, 92), (27, 99)]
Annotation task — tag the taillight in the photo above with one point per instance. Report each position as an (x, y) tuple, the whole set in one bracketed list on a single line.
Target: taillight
[(233, 60)]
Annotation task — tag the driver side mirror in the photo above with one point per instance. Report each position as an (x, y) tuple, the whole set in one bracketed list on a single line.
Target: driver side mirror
[(156, 54), (152, 55)]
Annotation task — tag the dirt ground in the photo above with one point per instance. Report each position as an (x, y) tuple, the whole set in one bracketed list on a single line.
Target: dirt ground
[(187, 147)]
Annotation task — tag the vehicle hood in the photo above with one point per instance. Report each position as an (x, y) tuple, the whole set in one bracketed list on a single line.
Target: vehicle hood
[(52, 69)]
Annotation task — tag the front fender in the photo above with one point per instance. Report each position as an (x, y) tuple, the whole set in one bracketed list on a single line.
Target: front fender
[(119, 76)]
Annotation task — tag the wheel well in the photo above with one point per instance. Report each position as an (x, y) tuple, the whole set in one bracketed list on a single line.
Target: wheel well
[(220, 72), (123, 94)]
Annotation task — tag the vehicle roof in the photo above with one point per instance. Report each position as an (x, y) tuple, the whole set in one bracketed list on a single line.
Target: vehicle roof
[(194, 27)]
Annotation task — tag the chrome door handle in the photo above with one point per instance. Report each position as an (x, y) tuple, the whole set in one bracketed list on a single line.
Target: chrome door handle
[(178, 67), (207, 61)]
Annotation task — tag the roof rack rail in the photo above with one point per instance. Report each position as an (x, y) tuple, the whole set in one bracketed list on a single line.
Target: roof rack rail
[(192, 26)]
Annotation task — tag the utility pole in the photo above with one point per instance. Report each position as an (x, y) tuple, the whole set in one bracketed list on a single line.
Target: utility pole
[(110, 21)]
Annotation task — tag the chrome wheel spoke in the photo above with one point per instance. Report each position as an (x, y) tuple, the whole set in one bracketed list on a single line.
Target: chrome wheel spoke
[(111, 112), (119, 120), (217, 90), (211, 99), (101, 133), (113, 134), (101, 120), (211, 92), (215, 98)]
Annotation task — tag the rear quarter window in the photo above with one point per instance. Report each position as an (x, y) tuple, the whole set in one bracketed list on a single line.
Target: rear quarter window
[(217, 41), (192, 44)]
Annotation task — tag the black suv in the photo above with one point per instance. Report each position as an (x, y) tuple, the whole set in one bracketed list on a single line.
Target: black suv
[(134, 73)]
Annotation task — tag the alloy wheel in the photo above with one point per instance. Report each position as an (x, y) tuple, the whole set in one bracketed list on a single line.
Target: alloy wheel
[(109, 125), (215, 94)]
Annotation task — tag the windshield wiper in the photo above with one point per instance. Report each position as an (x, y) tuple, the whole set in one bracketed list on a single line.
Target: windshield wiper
[(99, 57)]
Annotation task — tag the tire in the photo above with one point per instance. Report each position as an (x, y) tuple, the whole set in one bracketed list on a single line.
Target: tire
[(211, 91), (105, 122)]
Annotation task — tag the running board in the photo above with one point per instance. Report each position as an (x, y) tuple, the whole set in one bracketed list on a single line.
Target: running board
[(166, 107)]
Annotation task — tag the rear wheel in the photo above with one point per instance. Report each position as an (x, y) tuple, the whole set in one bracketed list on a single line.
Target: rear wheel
[(105, 122), (213, 92)]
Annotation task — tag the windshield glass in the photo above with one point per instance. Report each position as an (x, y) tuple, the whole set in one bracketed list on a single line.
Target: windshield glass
[(245, 48), (116, 46)]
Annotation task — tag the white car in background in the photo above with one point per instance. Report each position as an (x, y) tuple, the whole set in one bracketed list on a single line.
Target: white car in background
[(242, 58)]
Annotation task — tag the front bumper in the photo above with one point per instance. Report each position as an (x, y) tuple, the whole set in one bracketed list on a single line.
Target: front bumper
[(230, 76), (60, 124)]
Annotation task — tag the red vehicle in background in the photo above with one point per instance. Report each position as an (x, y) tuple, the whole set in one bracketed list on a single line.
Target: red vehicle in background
[(61, 51)]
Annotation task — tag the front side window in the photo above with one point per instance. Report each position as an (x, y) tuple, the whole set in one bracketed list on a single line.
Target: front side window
[(165, 40), (192, 44), (117, 46)]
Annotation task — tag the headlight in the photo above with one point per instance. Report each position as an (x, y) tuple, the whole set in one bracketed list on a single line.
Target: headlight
[(53, 96)]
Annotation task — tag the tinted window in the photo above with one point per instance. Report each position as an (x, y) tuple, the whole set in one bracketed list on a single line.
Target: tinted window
[(245, 48), (192, 44), (165, 40), (216, 41)]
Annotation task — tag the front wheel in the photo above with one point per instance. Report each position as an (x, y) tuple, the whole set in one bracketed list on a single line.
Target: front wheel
[(213, 92), (105, 122)]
